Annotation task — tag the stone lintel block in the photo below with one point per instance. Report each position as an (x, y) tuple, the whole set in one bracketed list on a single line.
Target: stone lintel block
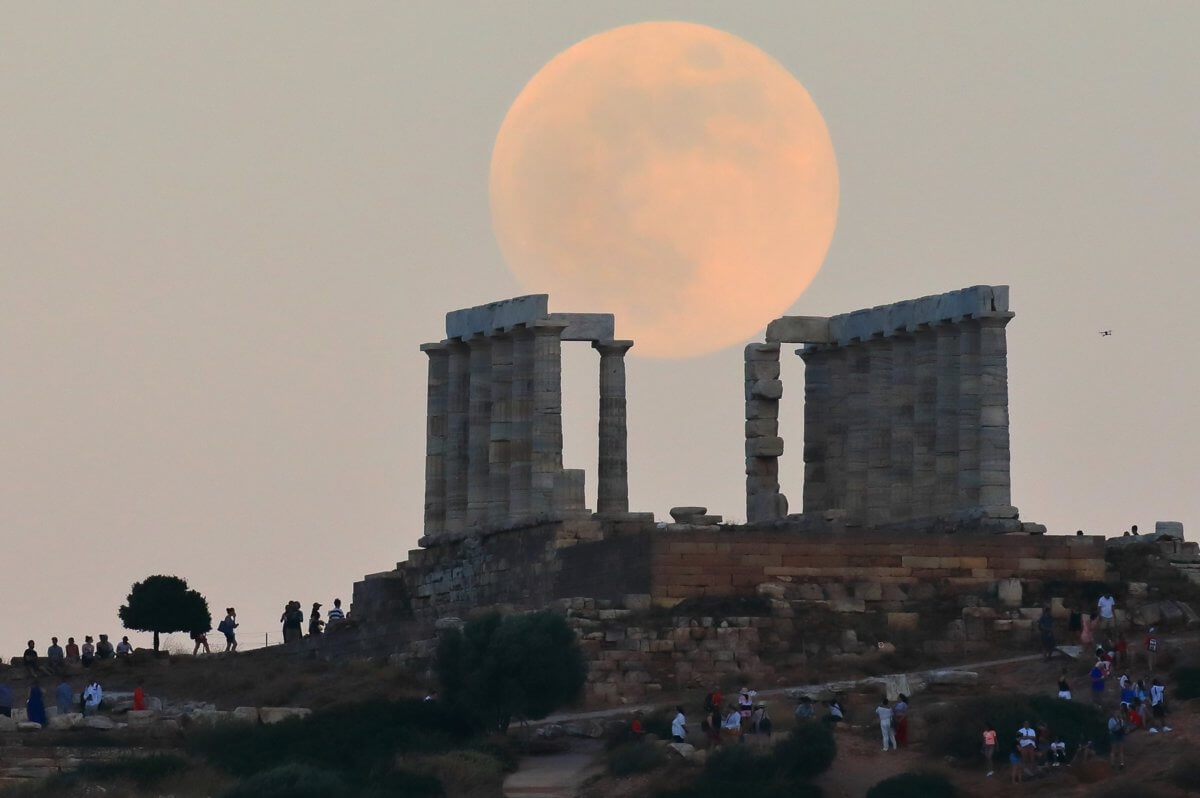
[(483, 319), (682, 514), (799, 330), (762, 352), (586, 326), (764, 447)]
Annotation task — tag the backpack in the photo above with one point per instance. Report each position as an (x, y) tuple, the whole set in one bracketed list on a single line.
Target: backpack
[(1152, 644), (223, 627)]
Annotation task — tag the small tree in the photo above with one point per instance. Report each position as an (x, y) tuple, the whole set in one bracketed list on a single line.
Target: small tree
[(165, 604), (522, 666)]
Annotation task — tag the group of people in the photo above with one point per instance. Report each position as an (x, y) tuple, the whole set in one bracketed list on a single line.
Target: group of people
[(58, 657), (893, 722), (1035, 750), (89, 701), (293, 619), (726, 722), (228, 627)]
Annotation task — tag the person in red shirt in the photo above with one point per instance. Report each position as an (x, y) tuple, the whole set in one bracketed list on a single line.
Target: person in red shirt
[(139, 700), (72, 650), (636, 726)]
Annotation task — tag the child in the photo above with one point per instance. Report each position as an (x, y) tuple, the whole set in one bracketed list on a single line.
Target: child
[(1058, 752), (989, 746), (1014, 759)]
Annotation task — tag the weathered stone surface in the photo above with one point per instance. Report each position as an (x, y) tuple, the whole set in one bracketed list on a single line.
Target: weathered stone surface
[(1010, 592), (485, 319), (799, 330), (764, 447), (1169, 529), (99, 722), (903, 621), (684, 750), (245, 714), (140, 717), (586, 326), (765, 389), (637, 601), (67, 721), (683, 514), (271, 715), (28, 726)]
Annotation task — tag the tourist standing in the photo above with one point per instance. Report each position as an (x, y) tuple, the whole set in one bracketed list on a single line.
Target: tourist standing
[(335, 615), (1027, 744), (1151, 646), (292, 619), (201, 641), (89, 651), (679, 726), (886, 716), (315, 624), (900, 719), (746, 702), (93, 696), (64, 697), (1064, 687), (1097, 677), (35, 707), (228, 627), (1106, 604), (989, 747), (30, 660), (72, 651), (1158, 707), (1046, 630), (1116, 739)]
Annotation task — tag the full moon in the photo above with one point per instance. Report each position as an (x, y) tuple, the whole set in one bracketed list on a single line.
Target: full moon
[(672, 174)]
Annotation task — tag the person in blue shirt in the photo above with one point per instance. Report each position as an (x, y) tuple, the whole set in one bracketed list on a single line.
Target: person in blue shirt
[(64, 697)]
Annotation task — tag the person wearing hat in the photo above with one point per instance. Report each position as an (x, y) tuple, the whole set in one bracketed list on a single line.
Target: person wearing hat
[(315, 623), (1152, 644)]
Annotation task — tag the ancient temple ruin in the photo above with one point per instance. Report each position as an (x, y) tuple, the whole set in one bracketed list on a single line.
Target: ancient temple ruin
[(494, 425)]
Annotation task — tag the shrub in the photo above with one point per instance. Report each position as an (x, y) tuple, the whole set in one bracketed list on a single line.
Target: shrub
[(522, 666), (914, 785), (289, 781), (738, 764), (461, 772), (960, 734), (141, 770), (1187, 683), (635, 757), (806, 752), (658, 722)]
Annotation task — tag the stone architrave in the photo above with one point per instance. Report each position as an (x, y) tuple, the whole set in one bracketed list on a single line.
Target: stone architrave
[(945, 499), (879, 430), (924, 421), (520, 445), (500, 429), (903, 413), (968, 413), (479, 424), (817, 406), (858, 391), (612, 490), (456, 461), (994, 478), (547, 441), (435, 438)]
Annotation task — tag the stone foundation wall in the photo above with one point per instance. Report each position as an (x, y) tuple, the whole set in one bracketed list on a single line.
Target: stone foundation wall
[(719, 563)]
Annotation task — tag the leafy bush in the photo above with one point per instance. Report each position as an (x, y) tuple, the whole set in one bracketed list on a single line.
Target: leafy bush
[(522, 666), (461, 772), (289, 781), (635, 757), (141, 770), (1187, 683), (806, 752), (960, 734), (914, 785), (738, 764)]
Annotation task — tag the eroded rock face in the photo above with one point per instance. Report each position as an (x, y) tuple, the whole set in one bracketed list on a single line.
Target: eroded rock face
[(98, 722), (271, 715)]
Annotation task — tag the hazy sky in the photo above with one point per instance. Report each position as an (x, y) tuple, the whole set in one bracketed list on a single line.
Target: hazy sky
[(224, 230)]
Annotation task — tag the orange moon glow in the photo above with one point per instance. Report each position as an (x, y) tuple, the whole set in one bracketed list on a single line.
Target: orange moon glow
[(672, 174)]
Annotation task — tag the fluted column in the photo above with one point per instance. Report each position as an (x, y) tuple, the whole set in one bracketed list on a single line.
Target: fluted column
[(479, 424), (903, 400), (857, 433), (838, 368), (945, 498), (520, 445), (500, 429), (456, 462), (968, 414), (879, 422), (994, 479), (816, 428), (546, 453), (925, 422), (612, 490), (435, 438)]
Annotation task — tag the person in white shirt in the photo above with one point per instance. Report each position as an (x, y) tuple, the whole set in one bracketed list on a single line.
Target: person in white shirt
[(679, 726), (1105, 605), (336, 614), (885, 724), (1027, 743), (732, 725), (124, 648), (93, 694), (1158, 708)]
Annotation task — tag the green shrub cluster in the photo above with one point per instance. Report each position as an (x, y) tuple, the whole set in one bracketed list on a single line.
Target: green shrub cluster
[(960, 733), (914, 785), (635, 757), (141, 770), (1187, 683)]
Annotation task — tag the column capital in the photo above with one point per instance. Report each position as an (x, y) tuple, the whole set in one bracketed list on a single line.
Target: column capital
[(618, 348), (548, 326), (434, 349)]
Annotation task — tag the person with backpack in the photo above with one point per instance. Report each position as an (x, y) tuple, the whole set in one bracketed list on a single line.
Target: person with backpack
[(1151, 648), (1116, 739), (1158, 707), (228, 627)]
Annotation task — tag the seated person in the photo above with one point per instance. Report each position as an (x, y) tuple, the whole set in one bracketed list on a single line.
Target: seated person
[(732, 725), (104, 649), (804, 710), (1058, 752), (124, 648)]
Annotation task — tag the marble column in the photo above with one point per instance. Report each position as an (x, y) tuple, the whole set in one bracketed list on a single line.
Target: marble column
[(968, 413), (764, 501), (945, 498), (612, 490), (520, 445), (435, 438), (816, 427), (838, 368), (456, 463), (857, 432), (479, 423), (903, 412), (924, 422), (994, 484), (500, 431), (879, 426), (547, 441)]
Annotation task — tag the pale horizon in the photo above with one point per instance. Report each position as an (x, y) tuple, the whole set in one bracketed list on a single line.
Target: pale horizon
[(226, 232)]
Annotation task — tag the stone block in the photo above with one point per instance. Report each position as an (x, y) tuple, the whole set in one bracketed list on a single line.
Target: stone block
[(903, 621), (762, 428), (28, 726), (764, 447), (636, 601), (762, 409), (848, 605), (67, 721), (683, 515), (245, 714), (140, 717), (1010, 592), (496, 315), (1173, 529), (799, 330), (761, 352), (762, 370), (586, 326), (765, 389), (99, 722)]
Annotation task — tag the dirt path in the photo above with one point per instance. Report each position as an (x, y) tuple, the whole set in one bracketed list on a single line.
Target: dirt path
[(553, 775)]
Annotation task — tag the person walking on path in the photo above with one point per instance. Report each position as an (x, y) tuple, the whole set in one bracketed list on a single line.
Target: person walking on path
[(315, 624), (335, 615), (679, 726), (228, 627), (989, 747), (1158, 707), (35, 707), (1046, 631), (64, 697), (1105, 604), (886, 715), (900, 719)]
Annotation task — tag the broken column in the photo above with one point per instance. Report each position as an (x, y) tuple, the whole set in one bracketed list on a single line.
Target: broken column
[(764, 502), (435, 438), (818, 408), (612, 490)]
